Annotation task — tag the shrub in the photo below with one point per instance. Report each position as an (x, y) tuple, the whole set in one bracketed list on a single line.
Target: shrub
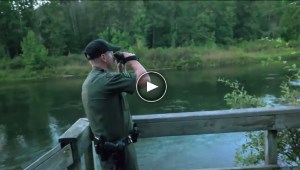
[(252, 152), (16, 63), (239, 98)]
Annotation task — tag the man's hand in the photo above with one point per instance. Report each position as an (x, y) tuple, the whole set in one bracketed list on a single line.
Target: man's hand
[(121, 68), (126, 54), (135, 65), (119, 56), (123, 57)]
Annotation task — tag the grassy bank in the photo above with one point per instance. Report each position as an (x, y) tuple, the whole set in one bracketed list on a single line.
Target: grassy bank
[(259, 51), (193, 57)]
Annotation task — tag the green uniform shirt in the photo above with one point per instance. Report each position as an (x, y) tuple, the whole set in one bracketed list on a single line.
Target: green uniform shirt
[(105, 103)]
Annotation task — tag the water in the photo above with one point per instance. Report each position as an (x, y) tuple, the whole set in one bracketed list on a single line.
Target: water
[(33, 114)]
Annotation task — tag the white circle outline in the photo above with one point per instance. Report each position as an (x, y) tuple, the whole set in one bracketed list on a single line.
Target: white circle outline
[(151, 101)]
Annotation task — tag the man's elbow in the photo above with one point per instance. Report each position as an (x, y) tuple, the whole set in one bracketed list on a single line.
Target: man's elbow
[(143, 81)]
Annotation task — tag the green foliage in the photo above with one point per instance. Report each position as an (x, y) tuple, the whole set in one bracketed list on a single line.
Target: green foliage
[(117, 37), (70, 60), (294, 43), (34, 53), (290, 21), (179, 58), (251, 152), (3, 53), (289, 146), (262, 44), (239, 98), (67, 26), (291, 95), (4, 63), (16, 63)]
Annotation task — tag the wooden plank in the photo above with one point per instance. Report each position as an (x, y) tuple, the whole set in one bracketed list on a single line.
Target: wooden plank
[(218, 114), (287, 120), (44, 157), (270, 147), (158, 129), (79, 136), (221, 121), (59, 160)]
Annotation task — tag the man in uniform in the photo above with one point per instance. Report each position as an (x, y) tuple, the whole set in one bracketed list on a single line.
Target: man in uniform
[(104, 101)]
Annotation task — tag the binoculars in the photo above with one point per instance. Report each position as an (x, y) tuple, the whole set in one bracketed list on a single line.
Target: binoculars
[(121, 58)]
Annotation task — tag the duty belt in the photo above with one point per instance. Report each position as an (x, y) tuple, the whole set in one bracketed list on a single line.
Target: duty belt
[(106, 147), (115, 144)]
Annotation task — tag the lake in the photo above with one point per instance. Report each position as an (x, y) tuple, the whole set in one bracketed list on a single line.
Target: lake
[(33, 114)]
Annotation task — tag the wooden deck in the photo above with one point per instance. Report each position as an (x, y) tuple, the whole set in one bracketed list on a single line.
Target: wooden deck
[(76, 142)]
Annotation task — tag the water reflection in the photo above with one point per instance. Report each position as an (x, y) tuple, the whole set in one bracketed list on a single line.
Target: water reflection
[(175, 106), (3, 142), (271, 100), (295, 83), (188, 152), (31, 117), (54, 130)]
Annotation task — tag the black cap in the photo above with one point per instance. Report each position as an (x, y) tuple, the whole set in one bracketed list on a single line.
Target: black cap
[(97, 47)]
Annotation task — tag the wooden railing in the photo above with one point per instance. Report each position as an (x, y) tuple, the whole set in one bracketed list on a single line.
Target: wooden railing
[(76, 142)]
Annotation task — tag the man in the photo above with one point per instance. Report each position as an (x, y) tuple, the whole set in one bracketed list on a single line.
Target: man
[(103, 97)]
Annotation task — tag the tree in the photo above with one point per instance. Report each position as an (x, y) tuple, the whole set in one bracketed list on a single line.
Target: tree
[(225, 19), (157, 13), (34, 53), (117, 37), (52, 28), (16, 18), (290, 21), (10, 33), (247, 26)]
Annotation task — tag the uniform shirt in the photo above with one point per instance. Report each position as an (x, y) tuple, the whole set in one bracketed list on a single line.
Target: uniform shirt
[(104, 102)]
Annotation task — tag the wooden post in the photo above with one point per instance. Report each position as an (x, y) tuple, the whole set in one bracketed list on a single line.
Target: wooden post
[(79, 136), (89, 158), (270, 147)]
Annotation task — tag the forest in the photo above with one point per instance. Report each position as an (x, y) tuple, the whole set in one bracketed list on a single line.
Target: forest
[(40, 34)]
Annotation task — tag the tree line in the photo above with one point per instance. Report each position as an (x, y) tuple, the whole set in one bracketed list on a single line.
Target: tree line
[(65, 27)]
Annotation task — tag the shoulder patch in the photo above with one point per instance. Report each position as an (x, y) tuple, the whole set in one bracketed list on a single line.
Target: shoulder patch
[(126, 74)]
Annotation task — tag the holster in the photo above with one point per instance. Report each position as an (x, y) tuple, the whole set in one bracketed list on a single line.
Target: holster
[(115, 148), (109, 150)]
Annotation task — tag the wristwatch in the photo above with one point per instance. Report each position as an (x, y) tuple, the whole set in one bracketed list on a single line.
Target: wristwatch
[(133, 57)]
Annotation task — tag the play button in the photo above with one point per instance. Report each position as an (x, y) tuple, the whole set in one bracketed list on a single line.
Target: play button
[(154, 90), (151, 86)]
